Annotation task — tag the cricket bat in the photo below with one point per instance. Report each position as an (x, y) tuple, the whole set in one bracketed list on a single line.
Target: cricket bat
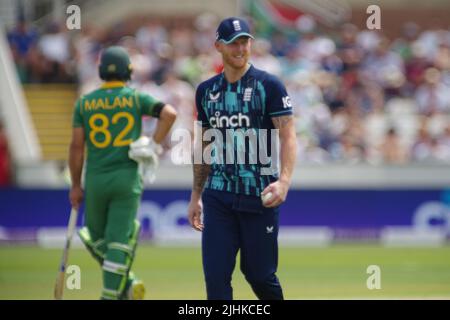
[(60, 283)]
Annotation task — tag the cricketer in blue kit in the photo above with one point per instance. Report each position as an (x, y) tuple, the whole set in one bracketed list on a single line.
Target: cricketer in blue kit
[(229, 195)]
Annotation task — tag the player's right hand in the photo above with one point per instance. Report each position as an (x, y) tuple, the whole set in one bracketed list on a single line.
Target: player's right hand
[(76, 196), (194, 214)]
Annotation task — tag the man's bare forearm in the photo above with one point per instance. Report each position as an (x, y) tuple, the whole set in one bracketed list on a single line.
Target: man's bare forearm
[(165, 122), (201, 172), (76, 160), (76, 156), (288, 146), (288, 157)]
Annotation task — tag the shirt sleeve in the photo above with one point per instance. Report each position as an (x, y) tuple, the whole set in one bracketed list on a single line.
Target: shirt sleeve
[(201, 115), (77, 119), (278, 102), (148, 105)]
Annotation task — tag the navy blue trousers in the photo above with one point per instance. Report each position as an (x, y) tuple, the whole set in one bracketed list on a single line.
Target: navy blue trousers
[(234, 222)]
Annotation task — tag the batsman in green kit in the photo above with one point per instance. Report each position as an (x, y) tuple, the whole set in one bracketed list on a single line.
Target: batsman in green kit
[(107, 124)]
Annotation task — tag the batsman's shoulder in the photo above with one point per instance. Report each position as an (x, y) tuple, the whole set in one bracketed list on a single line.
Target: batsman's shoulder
[(94, 94), (141, 95), (78, 102), (85, 99)]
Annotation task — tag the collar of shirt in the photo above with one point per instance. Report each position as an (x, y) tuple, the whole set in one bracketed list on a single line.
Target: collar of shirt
[(113, 84), (246, 77)]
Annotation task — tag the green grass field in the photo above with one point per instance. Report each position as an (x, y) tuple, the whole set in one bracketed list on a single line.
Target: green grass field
[(336, 272)]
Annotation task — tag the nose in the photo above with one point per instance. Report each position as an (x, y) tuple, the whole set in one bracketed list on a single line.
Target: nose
[(241, 47)]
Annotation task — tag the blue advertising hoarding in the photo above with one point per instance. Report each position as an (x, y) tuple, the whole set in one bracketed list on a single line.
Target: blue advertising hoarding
[(345, 212)]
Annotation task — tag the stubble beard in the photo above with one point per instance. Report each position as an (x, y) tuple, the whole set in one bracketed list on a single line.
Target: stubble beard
[(236, 65)]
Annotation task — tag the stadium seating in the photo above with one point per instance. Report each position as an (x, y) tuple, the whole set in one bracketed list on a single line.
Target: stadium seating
[(51, 110)]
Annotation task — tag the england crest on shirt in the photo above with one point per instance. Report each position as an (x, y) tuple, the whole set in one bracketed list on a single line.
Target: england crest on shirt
[(248, 94)]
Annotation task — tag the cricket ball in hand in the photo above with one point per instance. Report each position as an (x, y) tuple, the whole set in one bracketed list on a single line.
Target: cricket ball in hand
[(266, 197)]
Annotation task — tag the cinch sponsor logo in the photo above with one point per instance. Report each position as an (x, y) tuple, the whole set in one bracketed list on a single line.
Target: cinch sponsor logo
[(237, 120)]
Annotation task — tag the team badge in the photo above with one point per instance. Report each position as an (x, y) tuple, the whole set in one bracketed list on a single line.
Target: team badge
[(248, 94)]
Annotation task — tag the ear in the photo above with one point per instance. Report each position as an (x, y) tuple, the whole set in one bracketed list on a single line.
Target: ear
[(218, 46)]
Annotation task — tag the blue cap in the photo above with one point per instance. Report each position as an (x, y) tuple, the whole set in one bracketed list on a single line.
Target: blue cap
[(232, 28)]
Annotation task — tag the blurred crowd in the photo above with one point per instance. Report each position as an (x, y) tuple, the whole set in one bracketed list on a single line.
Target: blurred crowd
[(42, 57), (359, 97)]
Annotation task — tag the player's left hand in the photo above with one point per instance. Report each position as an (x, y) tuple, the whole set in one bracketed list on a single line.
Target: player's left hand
[(279, 190)]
